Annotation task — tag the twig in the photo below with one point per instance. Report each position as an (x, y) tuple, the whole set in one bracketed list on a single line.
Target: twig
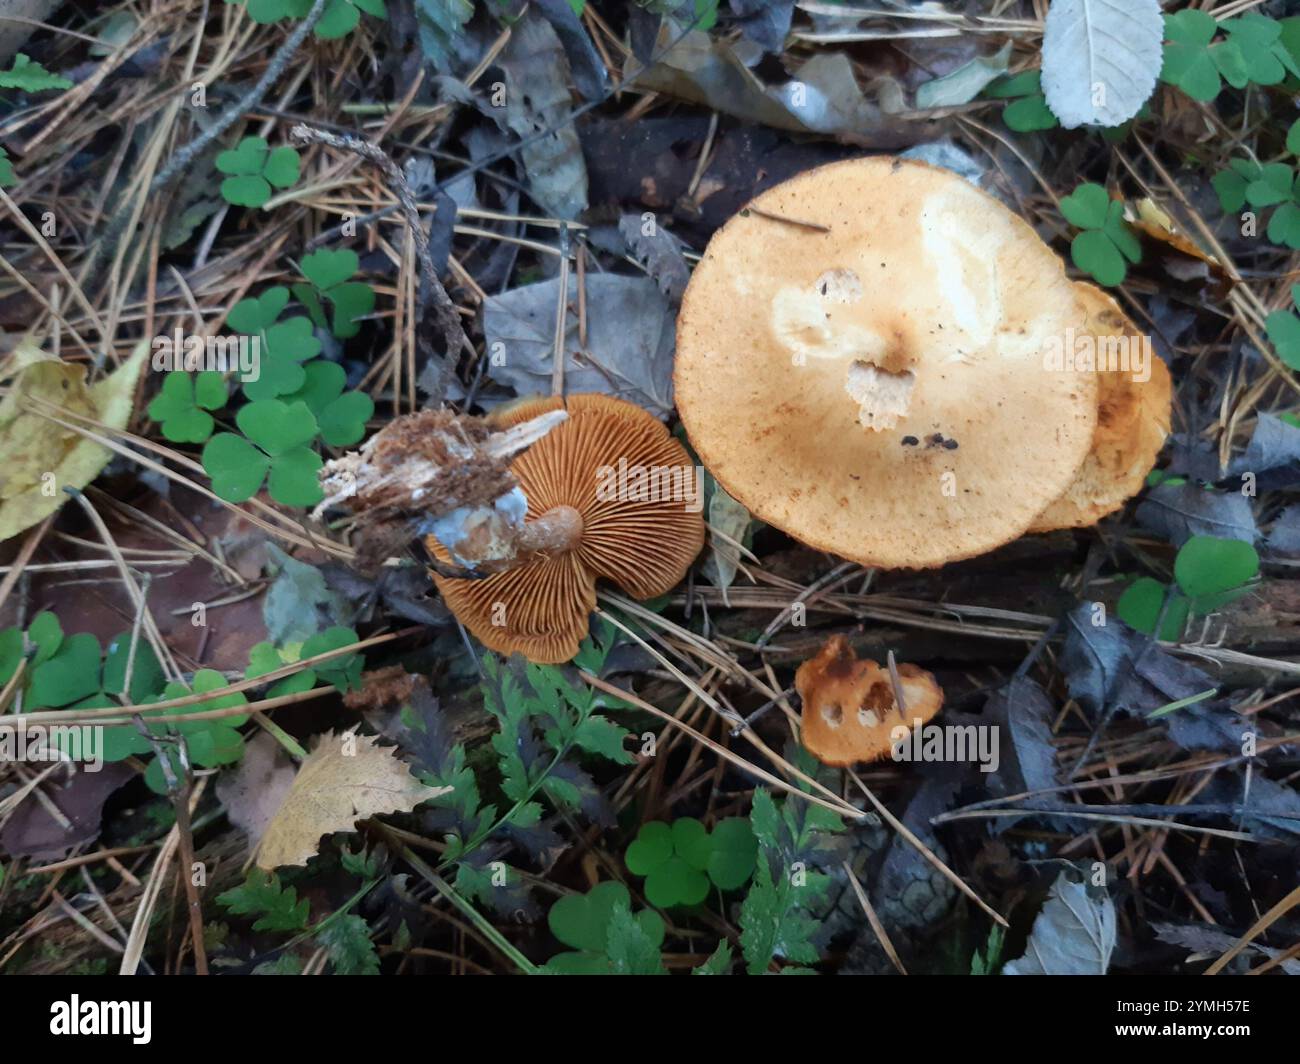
[(431, 289)]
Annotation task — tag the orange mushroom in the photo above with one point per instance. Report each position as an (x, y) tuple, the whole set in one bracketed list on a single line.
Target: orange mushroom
[(610, 494), (850, 711), (1133, 410)]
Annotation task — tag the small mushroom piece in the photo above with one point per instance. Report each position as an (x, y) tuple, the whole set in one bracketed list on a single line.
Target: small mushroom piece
[(850, 713), (1133, 414), (610, 494), (815, 360)]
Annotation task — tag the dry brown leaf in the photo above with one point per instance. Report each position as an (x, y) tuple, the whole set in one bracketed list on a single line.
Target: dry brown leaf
[(345, 779), (254, 790)]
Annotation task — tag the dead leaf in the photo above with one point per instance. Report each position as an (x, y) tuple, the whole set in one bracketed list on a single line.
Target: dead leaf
[(255, 789), (43, 458), (345, 779), (630, 343)]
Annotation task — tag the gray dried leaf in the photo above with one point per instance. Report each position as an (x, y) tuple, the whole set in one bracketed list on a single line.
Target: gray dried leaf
[(965, 83), (1101, 59), (537, 99), (630, 343), (823, 95), (658, 251), (1209, 940), (730, 518), (1177, 512), (1073, 935)]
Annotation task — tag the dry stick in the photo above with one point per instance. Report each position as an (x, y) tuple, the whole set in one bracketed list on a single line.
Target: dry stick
[(843, 808), (25, 553), (107, 245), (924, 850), (874, 920), (135, 942), (431, 289), (179, 791)]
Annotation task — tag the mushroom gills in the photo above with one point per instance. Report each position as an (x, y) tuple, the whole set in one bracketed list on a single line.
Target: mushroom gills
[(882, 397)]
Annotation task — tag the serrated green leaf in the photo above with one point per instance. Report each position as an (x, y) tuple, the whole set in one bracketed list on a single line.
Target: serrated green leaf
[(277, 907), (28, 75)]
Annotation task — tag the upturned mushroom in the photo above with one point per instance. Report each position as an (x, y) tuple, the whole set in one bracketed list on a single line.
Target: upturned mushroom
[(610, 493), (850, 710), (860, 362), (1133, 409)]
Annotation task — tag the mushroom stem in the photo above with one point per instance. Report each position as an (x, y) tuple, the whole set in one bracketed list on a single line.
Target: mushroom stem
[(556, 531)]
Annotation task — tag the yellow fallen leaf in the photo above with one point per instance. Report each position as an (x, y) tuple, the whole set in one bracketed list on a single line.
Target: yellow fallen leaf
[(345, 779), (39, 458)]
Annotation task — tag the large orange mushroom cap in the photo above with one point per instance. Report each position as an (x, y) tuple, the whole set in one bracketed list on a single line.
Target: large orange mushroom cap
[(637, 538), (861, 363), (1133, 412)]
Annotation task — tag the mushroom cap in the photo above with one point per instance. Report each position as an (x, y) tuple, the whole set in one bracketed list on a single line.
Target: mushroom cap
[(1132, 421), (806, 358), (849, 708), (541, 607)]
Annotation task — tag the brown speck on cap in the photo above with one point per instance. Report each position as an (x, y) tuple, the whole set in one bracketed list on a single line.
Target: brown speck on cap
[(932, 340)]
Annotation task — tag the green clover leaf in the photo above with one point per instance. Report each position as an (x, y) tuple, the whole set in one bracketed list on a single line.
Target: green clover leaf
[(1188, 63), (46, 635), (733, 853), (7, 176), (258, 313), (341, 17), (1140, 605), (1212, 571), (285, 345), (1284, 331), (1293, 138), (147, 677), (329, 271), (1284, 226), (254, 169), (235, 466), (183, 403), (281, 432), (1272, 186), (1086, 207), (1028, 111), (1106, 241), (344, 671), (264, 12), (582, 922), (30, 76), (70, 673), (265, 658), (340, 416), (1231, 184), (1257, 40), (674, 860)]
